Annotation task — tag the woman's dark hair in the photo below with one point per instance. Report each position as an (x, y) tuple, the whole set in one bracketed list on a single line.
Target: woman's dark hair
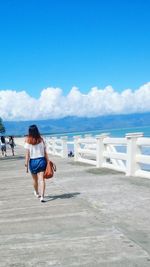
[(3, 139), (34, 136)]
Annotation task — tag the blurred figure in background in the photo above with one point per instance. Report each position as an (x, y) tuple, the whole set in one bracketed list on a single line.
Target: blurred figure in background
[(3, 146), (12, 144)]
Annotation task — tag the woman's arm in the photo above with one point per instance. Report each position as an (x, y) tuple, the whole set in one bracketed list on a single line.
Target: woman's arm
[(27, 157), (45, 154), (45, 151)]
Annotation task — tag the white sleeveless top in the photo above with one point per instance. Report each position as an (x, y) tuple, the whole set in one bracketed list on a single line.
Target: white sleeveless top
[(36, 151)]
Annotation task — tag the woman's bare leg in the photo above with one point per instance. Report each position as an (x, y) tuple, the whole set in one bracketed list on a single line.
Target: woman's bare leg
[(35, 182), (13, 152), (42, 183)]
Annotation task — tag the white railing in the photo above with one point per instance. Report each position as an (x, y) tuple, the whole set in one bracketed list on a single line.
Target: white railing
[(85, 149), (141, 158), (57, 146), (112, 158), (121, 154)]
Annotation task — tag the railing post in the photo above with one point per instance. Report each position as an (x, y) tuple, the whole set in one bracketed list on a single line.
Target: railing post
[(76, 146), (64, 147), (131, 165), (100, 149)]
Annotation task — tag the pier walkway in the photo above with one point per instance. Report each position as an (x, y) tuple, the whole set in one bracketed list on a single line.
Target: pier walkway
[(91, 217)]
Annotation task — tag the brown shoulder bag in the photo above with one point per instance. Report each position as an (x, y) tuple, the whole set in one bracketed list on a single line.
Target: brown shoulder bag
[(50, 169)]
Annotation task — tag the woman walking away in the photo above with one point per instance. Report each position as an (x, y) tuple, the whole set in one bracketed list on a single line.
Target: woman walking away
[(12, 144), (3, 146), (36, 158)]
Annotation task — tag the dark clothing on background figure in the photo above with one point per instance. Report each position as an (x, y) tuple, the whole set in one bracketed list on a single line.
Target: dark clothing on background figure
[(3, 145), (12, 144)]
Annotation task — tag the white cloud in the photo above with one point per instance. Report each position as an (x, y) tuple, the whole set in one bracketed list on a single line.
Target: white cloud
[(53, 104)]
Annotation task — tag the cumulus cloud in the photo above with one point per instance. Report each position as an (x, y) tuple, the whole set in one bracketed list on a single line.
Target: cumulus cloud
[(53, 104)]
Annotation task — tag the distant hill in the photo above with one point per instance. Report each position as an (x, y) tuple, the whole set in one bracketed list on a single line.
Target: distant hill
[(75, 124)]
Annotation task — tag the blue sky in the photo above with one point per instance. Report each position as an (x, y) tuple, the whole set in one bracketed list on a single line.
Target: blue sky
[(64, 43)]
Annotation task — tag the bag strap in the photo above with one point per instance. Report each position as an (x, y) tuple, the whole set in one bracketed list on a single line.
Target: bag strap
[(54, 167)]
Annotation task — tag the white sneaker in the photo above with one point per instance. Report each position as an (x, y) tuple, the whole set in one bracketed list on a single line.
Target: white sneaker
[(42, 199), (36, 194)]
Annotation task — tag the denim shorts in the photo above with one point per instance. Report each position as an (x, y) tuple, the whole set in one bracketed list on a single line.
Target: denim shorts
[(37, 165)]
